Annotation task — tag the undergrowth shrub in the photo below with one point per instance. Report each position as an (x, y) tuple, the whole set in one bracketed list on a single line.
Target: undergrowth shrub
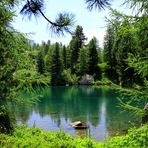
[(6, 124), (35, 137)]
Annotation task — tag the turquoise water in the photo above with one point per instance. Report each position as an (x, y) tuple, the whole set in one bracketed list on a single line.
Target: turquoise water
[(59, 106)]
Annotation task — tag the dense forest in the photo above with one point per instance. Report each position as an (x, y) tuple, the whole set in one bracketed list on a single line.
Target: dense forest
[(122, 63)]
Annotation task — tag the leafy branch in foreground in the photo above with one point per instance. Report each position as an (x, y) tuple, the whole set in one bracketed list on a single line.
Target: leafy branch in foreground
[(97, 4), (139, 97), (63, 23), (140, 5)]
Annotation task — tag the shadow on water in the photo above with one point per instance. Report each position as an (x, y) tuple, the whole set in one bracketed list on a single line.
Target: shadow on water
[(59, 106)]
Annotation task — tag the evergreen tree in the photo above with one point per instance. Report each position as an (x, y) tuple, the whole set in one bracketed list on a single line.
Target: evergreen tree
[(56, 66), (68, 58), (109, 55), (108, 44), (126, 42), (46, 46), (40, 63), (93, 68), (64, 57), (82, 65), (48, 58), (76, 43)]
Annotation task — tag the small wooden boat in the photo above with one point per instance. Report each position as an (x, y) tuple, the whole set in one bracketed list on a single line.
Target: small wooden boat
[(79, 125)]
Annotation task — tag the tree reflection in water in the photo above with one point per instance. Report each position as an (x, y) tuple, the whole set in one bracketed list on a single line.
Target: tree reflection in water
[(59, 106)]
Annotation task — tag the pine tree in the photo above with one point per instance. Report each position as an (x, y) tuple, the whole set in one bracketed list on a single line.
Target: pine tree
[(126, 43), (93, 59), (40, 63), (76, 43), (82, 65), (64, 57), (109, 55), (46, 46), (68, 58), (56, 66)]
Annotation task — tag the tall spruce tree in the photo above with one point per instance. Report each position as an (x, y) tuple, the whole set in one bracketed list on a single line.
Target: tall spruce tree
[(56, 66), (68, 58), (109, 55), (40, 63), (82, 65), (126, 42), (76, 43), (64, 57), (93, 59)]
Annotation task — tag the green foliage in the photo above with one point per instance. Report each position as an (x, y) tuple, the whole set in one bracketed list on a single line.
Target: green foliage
[(108, 44), (40, 63), (69, 78), (93, 56), (68, 57), (104, 82), (139, 97), (82, 65), (126, 34), (141, 6), (6, 52), (127, 56), (140, 64), (17, 63), (109, 55), (56, 66), (135, 138), (6, 124), (76, 43), (28, 79), (93, 59), (64, 57), (35, 137)]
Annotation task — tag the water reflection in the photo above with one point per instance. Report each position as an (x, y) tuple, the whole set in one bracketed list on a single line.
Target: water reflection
[(59, 106)]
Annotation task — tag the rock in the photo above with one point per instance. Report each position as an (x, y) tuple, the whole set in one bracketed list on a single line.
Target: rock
[(145, 117), (86, 79), (79, 125), (76, 123)]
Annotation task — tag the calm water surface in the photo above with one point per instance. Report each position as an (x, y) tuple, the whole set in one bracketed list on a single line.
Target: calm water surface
[(59, 106)]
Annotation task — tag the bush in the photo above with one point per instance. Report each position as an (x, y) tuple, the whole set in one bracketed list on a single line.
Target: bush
[(69, 78), (6, 125), (136, 138), (35, 137)]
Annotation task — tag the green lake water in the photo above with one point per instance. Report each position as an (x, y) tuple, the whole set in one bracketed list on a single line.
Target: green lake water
[(59, 106)]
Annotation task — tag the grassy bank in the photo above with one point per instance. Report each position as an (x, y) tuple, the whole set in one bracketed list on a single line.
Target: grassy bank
[(35, 137)]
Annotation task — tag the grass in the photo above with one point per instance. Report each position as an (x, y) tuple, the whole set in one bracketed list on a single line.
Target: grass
[(37, 138)]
